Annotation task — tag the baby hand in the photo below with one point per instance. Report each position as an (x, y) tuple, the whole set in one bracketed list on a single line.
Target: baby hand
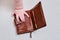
[(20, 14)]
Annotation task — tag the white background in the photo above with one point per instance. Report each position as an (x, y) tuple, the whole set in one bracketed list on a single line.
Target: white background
[(51, 10)]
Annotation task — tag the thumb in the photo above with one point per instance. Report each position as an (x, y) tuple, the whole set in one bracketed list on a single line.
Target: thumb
[(26, 14)]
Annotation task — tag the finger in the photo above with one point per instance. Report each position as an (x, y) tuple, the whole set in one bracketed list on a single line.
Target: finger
[(17, 22), (22, 18), (26, 14), (17, 18), (20, 21)]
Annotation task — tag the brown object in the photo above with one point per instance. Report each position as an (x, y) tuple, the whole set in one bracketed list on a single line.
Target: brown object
[(32, 23), (37, 17)]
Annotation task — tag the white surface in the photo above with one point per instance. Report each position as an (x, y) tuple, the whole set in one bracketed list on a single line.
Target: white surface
[(51, 10)]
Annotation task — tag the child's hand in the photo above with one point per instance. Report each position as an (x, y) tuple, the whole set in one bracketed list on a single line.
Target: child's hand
[(20, 14)]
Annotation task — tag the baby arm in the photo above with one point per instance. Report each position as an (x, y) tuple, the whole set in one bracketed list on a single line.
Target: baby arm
[(19, 11)]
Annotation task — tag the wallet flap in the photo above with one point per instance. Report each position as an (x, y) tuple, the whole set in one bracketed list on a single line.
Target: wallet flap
[(38, 18)]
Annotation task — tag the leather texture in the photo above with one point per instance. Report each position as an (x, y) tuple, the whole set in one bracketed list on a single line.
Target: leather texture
[(24, 27), (38, 18), (32, 23)]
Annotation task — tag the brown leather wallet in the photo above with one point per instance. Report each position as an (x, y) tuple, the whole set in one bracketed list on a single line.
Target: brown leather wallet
[(32, 23), (24, 27)]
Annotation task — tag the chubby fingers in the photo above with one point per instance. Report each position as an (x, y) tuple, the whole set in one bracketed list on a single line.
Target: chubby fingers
[(22, 17), (18, 19)]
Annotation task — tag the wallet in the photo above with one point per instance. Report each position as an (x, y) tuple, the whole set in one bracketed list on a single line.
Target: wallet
[(32, 23)]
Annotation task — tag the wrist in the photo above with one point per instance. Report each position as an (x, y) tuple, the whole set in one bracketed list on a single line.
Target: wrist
[(18, 8), (18, 11)]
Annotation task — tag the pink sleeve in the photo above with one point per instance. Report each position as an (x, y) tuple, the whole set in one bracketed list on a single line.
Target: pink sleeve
[(18, 4)]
